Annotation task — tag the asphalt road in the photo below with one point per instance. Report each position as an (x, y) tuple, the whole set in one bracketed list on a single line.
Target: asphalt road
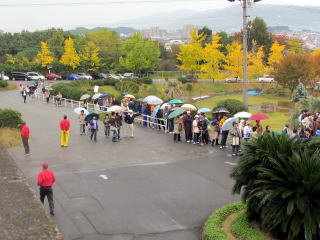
[(146, 188)]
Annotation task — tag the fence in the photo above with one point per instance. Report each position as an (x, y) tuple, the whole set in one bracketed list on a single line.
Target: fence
[(142, 119)]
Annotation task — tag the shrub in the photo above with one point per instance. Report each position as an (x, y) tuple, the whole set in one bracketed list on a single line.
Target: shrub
[(299, 93), (146, 80), (242, 229), (68, 90), (10, 118), (234, 106), (127, 87), (279, 178), (212, 227), (281, 92), (189, 87), (3, 84), (182, 79)]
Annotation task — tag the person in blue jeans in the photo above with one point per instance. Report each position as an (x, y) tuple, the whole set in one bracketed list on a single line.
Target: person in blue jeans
[(94, 128)]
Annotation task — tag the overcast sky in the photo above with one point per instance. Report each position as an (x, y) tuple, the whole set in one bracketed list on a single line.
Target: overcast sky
[(17, 15)]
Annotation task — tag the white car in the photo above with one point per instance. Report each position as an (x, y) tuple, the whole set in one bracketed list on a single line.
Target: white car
[(114, 76), (4, 78), (128, 75), (35, 76), (85, 76), (233, 80), (266, 78)]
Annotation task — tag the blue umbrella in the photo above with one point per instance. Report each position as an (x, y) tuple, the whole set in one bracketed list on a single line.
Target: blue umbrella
[(155, 111), (176, 101), (227, 125), (33, 83), (104, 95), (204, 110)]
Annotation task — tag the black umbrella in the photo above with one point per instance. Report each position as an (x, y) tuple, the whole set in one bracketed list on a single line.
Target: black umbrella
[(220, 110), (90, 116)]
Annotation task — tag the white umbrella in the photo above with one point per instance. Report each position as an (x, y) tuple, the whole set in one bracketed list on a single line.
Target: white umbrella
[(78, 111), (227, 125), (189, 107), (153, 100), (96, 96), (243, 115), (115, 108), (163, 106), (84, 97)]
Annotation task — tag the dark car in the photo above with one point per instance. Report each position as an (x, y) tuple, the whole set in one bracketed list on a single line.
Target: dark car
[(100, 76), (19, 76)]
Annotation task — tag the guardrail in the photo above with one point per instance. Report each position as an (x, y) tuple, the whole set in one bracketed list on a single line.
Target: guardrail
[(142, 119)]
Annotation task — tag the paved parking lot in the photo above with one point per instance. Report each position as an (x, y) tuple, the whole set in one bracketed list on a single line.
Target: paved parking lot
[(146, 188)]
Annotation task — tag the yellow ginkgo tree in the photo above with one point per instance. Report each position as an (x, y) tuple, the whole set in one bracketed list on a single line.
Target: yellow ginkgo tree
[(70, 57), (90, 60), (213, 60), (45, 57), (191, 54), (257, 66), (276, 55)]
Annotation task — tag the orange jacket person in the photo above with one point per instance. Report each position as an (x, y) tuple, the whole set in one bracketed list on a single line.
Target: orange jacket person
[(65, 131)]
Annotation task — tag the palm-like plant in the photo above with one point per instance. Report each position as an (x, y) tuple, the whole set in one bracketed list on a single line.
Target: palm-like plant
[(280, 179)]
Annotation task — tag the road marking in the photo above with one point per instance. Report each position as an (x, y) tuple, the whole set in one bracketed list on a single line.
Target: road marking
[(103, 176), (231, 164)]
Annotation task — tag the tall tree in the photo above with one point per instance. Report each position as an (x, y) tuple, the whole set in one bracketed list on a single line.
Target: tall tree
[(257, 67), (225, 40), (213, 59), (70, 57), (45, 57), (140, 54), (258, 32), (90, 60), (191, 54), (292, 70), (276, 54), (207, 32)]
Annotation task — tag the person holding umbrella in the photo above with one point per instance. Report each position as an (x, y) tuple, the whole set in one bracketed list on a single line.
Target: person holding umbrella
[(188, 119), (235, 133), (94, 128), (82, 122), (216, 132), (113, 127), (65, 131)]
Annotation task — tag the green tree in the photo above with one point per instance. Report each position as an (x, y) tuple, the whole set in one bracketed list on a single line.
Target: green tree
[(207, 32), (295, 46), (258, 33), (140, 54), (299, 93), (225, 40)]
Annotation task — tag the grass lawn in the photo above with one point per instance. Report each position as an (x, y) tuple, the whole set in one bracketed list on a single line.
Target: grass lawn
[(109, 90), (11, 86), (10, 137)]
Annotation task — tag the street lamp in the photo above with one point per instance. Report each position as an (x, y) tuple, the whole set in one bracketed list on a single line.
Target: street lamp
[(245, 4)]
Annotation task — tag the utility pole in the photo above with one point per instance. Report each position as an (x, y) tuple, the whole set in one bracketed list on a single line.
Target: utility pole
[(245, 55)]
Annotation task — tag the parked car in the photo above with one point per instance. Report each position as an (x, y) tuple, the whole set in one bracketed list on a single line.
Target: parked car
[(53, 76), (19, 76), (128, 75), (233, 80), (35, 76), (73, 77), (114, 76), (4, 77), (266, 78), (100, 76), (84, 76)]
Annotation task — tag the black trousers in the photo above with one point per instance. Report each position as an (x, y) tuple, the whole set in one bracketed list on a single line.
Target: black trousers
[(205, 137), (188, 132), (224, 138), (47, 99), (25, 142), (93, 134), (24, 99), (176, 137), (47, 191)]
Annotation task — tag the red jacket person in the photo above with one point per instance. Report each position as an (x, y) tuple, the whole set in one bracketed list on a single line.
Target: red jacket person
[(46, 180)]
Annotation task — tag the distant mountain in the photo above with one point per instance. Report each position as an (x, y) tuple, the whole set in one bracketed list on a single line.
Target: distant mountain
[(229, 19), (119, 30)]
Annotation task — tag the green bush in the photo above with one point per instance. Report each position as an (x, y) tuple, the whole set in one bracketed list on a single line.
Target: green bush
[(10, 118), (182, 79), (234, 106), (68, 90), (127, 87), (281, 92), (144, 80), (242, 229), (189, 87), (212, 227), (3, 84), (279, 179)]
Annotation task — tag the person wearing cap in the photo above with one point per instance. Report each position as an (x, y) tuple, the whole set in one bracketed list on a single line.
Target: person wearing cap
[(129, 119), (65, 131), (46, 180), (196, 130), (25, 132)]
